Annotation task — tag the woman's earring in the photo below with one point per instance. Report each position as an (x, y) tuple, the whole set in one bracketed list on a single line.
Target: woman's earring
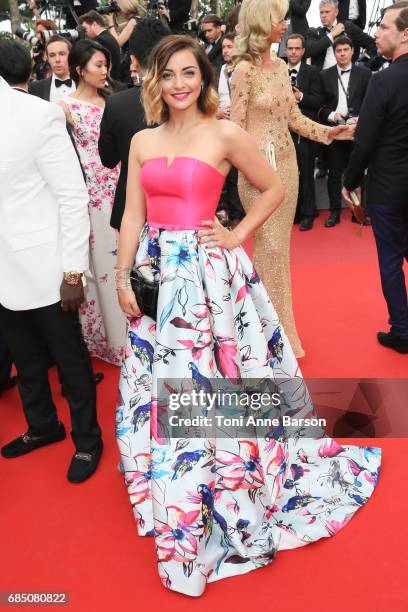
[(202, 85)]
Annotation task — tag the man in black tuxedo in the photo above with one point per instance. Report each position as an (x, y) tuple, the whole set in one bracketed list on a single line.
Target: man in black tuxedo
[(60, 84), (344, 87), (319, 41), (381, 146), (124, 114), (95, 28), (212, 32), (307, 91), (354, 11)]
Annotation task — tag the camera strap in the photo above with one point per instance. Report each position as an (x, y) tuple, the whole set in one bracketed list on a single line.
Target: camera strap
[(346, 93)]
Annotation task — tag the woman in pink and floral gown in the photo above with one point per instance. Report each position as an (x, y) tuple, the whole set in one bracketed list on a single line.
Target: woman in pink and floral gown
[(103, 323)]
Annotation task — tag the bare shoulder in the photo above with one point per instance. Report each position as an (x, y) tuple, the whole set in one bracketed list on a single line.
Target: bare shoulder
[(232, 135), (142, 138), (228, 130)]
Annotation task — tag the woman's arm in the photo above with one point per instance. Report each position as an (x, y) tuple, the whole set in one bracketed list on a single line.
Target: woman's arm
[(132, 223), (123, 36), (243, 153), (240, 92), (307, 128)]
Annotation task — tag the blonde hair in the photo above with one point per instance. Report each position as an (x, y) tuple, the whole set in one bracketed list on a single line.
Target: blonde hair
[(257, 20), (128, 6), (156, 110)]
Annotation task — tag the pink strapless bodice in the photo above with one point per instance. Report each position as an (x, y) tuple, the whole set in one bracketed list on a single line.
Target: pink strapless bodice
[(181, 195)]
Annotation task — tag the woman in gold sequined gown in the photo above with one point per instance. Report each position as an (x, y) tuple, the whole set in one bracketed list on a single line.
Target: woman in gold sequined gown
[(263, 104)]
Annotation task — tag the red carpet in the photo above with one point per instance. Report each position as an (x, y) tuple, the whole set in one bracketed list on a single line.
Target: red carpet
[(57, 537)]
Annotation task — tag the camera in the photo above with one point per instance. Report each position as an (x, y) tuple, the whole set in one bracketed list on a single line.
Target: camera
[(33, 40), (112, 7), (191, 25), (38, 43), (71, 35), (348, 119), (153, 5)]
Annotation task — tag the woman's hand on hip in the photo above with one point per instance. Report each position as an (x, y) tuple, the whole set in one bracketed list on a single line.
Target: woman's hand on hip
[(214, 234)]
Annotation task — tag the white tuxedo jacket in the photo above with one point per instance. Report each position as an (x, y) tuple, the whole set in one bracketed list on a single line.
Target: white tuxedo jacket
[(44, 219)]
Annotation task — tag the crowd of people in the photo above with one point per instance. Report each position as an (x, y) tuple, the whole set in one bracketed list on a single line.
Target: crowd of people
[(140, 136)]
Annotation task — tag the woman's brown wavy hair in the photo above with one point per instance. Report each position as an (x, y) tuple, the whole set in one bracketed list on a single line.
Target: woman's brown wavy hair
[(156, 109)]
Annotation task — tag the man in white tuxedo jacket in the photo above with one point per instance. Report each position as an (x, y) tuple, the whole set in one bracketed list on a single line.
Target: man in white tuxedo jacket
[(44, 238)]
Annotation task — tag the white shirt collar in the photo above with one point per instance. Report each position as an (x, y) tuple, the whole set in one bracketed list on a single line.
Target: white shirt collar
[(297, 67), (349, 67), (335, 22)]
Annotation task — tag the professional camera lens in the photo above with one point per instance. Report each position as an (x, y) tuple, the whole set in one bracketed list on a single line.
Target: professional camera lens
[(28, 36)]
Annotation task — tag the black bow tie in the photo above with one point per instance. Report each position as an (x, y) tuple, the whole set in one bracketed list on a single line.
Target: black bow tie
[(328, 30), (293, 71), (67, 82), (344, 71)]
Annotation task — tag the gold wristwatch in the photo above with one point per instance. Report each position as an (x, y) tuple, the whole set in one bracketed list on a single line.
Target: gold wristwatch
[(72, 278)]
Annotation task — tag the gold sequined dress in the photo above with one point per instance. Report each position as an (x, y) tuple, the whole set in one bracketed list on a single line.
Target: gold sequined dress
[(263, 104)]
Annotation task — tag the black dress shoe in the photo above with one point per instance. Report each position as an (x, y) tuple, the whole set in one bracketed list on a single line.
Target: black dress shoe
[(83, 465), (393, 341), (27, 442), (333, 220), (306, 224)]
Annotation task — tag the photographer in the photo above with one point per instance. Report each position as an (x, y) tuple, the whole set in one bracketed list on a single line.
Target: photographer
[(177, 13), (343, 88), (122, 32), (95, 29), (41, 68), (128, 8), (76, 8)]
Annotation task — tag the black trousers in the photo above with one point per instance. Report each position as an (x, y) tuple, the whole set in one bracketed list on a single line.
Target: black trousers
[(338, 155), (32, 335), (305, 153), (390, 227), (5, 362)]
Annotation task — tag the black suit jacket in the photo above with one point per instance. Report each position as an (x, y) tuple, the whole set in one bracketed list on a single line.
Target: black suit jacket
[(179, 14), (83, 7), (358, 84), (308, 83), (317, 43), (106, 39), (381, 138), (122, 118), (344, 7), (297, 12), (41, 89), (216, 58)]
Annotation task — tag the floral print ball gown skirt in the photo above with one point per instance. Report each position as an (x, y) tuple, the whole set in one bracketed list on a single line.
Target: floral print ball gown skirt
[(221, 506)]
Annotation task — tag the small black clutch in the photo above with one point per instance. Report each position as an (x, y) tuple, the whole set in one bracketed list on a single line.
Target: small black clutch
[(146, 292)]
